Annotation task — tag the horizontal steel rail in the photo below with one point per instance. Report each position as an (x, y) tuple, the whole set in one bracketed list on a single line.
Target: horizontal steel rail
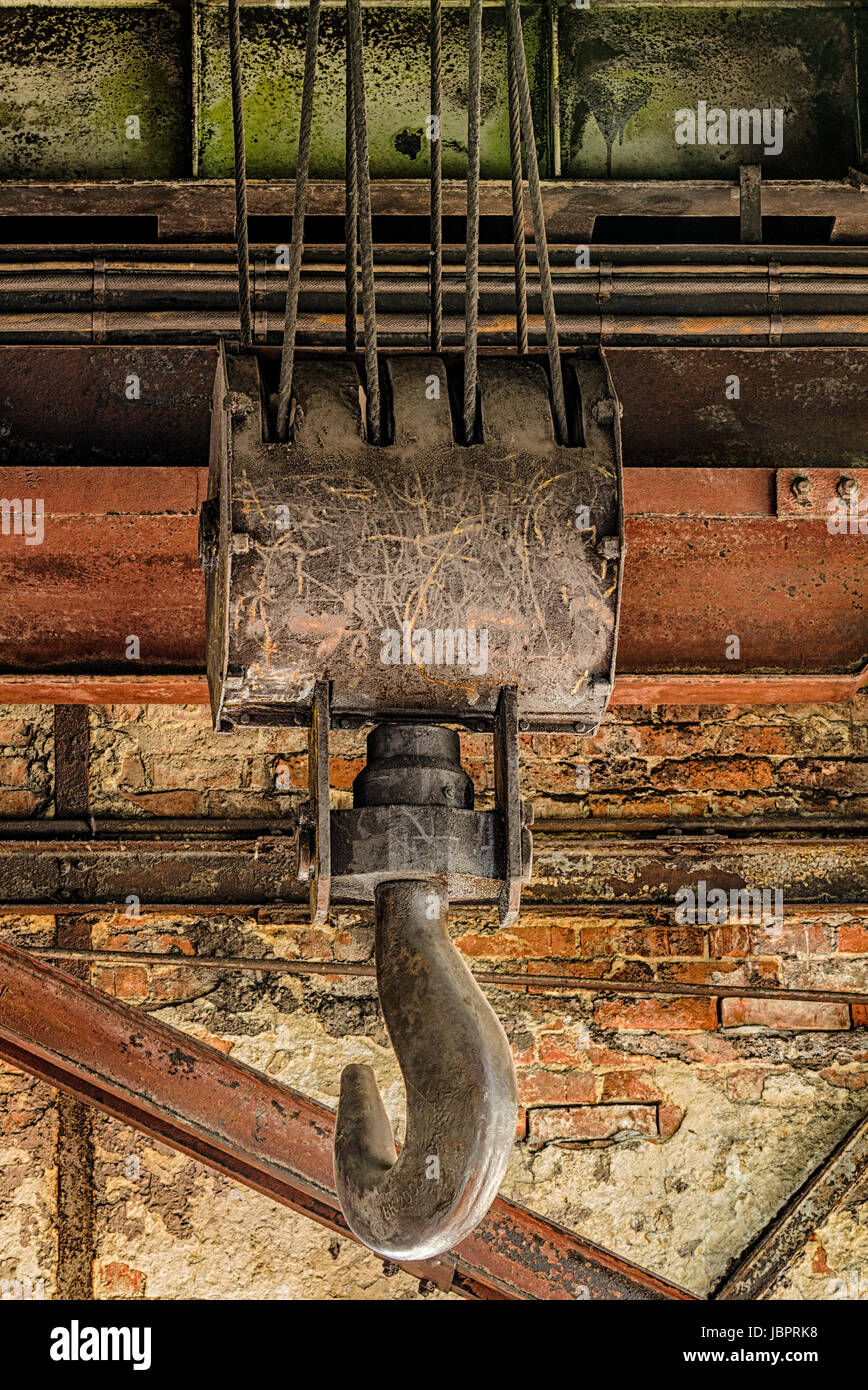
[(147, 297), (573, 869)]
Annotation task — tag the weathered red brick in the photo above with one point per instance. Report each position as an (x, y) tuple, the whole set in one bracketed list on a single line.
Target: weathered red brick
[(685, 940), (532, 939), (794, 935), (772, 739), (581, 1087), (119, 1280), (860, 1015), (838, 774), (541, 1087), (629, 1085), (176, 773), (15, 732), (577, 1123), (130, 982), (20, 804), (719, 774), (669, 1119), (657, 1014), (853, 936), (787, 1014), (560, 1049), (132, 771), (852, 1078), (613, 939), (175, 982), (730, 940), (747, 1083), (15, 772), (715, 972)]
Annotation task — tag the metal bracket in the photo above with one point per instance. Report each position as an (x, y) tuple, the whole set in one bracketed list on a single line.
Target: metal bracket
[(481, 856), (508, 803), (750, 204), (834, 495), (314, 817)]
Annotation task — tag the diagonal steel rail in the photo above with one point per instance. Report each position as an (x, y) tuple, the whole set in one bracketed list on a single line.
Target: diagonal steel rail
[(841, 1174)]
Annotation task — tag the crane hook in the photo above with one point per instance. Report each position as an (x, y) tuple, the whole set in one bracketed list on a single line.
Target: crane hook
[(461, 1091)]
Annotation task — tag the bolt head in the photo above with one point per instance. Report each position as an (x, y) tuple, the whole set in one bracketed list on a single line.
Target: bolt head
[(304, 847), (802, 488), (847, 488)]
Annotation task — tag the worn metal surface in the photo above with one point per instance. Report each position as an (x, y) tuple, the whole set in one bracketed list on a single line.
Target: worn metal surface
[(461, 1090), (837, 496), (230, 872), (397, 94), (250, 1127), (76, 405), (422, 577), (630, 690), (128, 562), (799, 406), (68, 405), (839, 1176), (745, 576), (71, 761), (72, 75)]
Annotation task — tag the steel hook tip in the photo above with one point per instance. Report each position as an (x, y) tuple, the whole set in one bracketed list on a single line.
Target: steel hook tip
[(461, 1092)]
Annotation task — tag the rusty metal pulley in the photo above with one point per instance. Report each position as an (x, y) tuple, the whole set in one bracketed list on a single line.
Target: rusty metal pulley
[(412, 583)]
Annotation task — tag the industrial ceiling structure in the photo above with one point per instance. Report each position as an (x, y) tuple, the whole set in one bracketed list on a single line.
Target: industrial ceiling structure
[(433, 370)]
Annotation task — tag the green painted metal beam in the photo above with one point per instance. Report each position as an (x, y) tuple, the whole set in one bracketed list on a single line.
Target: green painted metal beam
[(73, 74)]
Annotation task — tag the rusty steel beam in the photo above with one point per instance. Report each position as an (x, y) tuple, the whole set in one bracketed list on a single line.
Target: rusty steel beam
[(573, 868), (630, 690), (838, 1177), (711, 550), (74, 1152), (71, 754), (796, 594), (249, 1127), (204, 210)]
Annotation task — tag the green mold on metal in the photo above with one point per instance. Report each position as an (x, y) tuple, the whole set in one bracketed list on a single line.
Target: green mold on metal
[(71, 76), (624, 72), (397, 89)]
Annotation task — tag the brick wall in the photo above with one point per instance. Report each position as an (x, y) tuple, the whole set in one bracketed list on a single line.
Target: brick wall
[(26, 760), (669, 762), (668, 1129)]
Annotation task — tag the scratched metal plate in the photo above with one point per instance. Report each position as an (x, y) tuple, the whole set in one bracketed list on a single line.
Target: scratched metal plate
[(379, 550)]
